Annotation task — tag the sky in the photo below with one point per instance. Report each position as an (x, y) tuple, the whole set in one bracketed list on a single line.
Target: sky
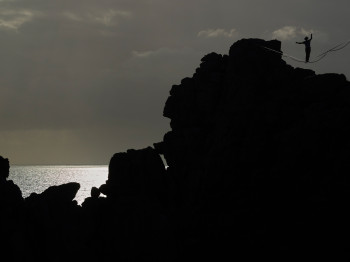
[(81, 80)]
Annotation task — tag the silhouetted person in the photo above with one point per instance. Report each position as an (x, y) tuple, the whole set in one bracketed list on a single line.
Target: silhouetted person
[(307, 44)]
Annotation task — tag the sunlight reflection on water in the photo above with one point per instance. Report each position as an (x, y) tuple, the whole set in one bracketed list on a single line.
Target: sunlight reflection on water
[(38, 178)]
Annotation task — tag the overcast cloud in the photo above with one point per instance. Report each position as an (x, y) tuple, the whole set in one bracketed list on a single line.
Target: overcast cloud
[(83, 79)]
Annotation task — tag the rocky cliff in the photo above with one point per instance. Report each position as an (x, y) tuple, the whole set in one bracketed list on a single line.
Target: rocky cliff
[(257, 163)]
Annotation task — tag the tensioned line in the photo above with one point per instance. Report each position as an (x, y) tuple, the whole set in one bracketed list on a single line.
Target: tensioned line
[(318, 58)]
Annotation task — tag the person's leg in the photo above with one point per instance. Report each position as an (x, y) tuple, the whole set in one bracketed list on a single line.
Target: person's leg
[(308, 51)]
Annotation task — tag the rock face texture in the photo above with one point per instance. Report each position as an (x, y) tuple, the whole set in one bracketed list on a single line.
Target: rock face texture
[(257, 167)]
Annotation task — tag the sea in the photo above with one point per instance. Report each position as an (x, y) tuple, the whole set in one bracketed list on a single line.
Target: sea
[(36, 179)]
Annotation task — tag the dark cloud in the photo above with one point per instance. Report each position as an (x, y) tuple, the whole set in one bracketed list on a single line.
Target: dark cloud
[(81, 80)]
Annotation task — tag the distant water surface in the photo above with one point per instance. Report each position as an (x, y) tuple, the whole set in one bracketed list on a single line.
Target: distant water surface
[(38, 178)]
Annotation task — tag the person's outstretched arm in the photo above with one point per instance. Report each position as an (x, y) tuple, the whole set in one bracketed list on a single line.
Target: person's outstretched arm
[(311, 37)]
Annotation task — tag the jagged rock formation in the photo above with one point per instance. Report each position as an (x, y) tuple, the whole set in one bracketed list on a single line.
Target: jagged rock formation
[(257, 163), (11, 204), (260, 151)]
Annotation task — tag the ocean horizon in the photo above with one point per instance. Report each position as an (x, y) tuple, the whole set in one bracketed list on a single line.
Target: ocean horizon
[(37, 178)]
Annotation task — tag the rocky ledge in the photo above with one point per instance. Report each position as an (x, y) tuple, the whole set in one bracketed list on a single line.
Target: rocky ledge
[(258, 165)]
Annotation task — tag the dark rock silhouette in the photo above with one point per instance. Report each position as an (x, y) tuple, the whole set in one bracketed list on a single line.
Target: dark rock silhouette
[(257, 163), (60, 194), (10, 193), (11, 205), (136, 200), (53, 224)]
